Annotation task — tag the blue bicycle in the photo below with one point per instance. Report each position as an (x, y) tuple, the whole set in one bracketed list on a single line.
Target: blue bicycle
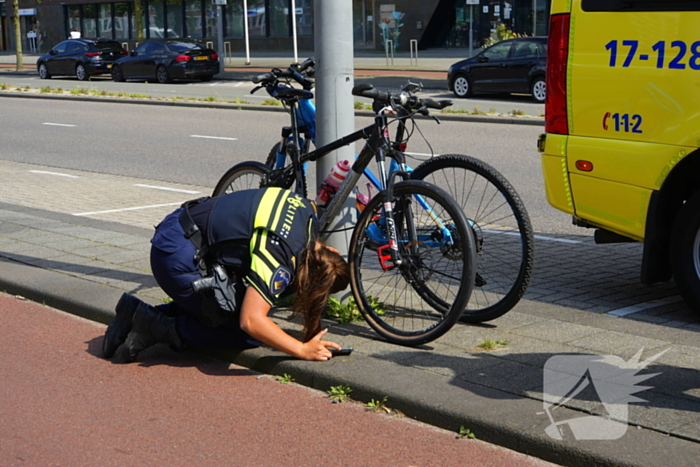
[(495, 213)]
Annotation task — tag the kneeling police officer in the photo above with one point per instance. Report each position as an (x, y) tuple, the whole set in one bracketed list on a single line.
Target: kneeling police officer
[(225, 261)]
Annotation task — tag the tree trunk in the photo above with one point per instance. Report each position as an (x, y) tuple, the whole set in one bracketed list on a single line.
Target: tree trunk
[(138, 16), (18, 35)]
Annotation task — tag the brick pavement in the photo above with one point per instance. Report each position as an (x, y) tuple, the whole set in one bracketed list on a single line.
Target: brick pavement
[(449, 382)]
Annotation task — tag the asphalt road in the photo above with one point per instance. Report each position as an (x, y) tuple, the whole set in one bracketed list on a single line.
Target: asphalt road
[(229, 90), (196, 146)]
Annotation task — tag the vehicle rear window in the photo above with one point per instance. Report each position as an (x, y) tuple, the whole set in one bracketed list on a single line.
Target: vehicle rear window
[(640, 5), (177, 46), (108, 46)]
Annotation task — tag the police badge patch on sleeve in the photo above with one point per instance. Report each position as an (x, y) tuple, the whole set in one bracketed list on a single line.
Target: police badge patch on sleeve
[(280, 280)]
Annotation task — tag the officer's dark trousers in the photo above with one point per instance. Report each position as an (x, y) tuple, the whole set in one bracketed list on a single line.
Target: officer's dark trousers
[(174, 268)]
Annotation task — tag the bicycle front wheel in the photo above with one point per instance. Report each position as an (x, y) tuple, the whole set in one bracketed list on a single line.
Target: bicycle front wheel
[(421, 298), (244, 176), (505, 240)]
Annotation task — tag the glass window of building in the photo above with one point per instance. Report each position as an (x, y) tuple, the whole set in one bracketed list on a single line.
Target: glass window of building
[(234, 19), (210, 15), (89, 21), (279, 18), (175, 23), (193, 18), (74, 17), (156, 19), (104, 19), (256, 18), (304, 17), (121, 21)]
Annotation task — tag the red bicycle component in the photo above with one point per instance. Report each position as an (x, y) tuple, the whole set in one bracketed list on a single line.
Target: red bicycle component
[(384, 258)]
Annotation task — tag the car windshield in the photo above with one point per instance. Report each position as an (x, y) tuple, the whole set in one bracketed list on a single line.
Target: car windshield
[(108, 46), (177, 46)]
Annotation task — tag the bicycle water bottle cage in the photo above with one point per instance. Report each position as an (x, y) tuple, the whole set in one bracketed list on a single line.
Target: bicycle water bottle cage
[(384, 258)]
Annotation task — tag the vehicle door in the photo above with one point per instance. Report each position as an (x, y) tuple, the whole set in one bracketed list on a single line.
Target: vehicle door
[(489, 72), (73, 55), (156, 54), (53, 64), (133, 67), (524, 56)]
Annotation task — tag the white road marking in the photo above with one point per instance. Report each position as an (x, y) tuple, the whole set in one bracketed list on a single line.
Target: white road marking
[(539, 237), (190, 192), (628, 310), (57, 124), (561, 240), (128, 209), (213, 137), (53, 173)]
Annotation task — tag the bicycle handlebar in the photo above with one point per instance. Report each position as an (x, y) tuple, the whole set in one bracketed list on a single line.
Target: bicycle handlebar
[(403, 99), (293, 72)]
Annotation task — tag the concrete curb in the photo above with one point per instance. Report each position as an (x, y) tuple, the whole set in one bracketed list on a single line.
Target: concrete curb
[(537, 121), (495, 416)]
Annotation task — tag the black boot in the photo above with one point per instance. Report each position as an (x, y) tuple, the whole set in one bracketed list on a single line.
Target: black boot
[(150, 327), (120, 326)]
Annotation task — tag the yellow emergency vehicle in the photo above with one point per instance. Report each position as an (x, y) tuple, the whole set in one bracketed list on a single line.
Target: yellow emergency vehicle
[(622, 122)]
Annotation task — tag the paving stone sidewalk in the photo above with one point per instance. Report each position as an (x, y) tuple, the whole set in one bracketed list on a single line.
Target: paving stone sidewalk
[(80, 252)]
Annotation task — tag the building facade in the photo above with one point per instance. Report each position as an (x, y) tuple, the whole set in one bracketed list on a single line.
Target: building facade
[(377, 24)]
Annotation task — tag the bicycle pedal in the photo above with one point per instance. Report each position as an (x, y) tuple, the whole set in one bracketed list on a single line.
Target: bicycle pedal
[(383, 259)]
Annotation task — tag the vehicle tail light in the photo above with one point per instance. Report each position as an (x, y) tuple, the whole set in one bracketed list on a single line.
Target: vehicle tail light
[(93, 54), (183, 58), (555, 109), (124, 52), (214, 56)]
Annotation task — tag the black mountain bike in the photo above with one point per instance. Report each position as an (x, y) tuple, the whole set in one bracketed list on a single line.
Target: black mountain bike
[(412, 251), (497, 216)]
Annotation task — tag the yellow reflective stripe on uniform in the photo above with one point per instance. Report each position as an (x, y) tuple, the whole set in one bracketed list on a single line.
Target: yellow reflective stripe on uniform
[(270, 208)]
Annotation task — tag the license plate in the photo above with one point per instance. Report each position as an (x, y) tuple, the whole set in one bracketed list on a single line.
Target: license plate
[(201, 57)]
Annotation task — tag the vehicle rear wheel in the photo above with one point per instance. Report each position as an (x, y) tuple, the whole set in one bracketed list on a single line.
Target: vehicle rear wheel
[(162, 75), (685, 251), (117, 74), (43, 71), (462, 86), (538, 89), (81, 73)]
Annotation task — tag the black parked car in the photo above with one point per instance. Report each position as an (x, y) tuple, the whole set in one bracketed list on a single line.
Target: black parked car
[(168, 59), (514, 65), (80, 57)]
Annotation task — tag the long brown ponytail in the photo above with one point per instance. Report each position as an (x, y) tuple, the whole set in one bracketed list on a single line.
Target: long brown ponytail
[(320, 272)]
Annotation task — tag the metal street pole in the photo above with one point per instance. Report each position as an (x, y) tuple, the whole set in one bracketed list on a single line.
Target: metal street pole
[(220, 37), (245, 28), (294, 30), (335, 112)]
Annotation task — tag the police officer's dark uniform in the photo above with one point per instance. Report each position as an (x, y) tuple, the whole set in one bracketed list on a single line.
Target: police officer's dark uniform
[(255, 235)]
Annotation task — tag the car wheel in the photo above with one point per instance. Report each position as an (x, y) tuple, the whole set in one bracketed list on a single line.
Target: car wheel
[(538, 89), (43, 71), (117, 74), (162, 75), (462, 86), (81, 73), (685, 251)]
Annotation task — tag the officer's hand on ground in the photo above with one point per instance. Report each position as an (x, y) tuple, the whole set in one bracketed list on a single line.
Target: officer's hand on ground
[(317, 349)]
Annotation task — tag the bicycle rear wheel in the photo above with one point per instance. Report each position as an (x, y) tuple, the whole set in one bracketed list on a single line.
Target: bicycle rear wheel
[(505, 240), (244, 176), (423, 297)]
